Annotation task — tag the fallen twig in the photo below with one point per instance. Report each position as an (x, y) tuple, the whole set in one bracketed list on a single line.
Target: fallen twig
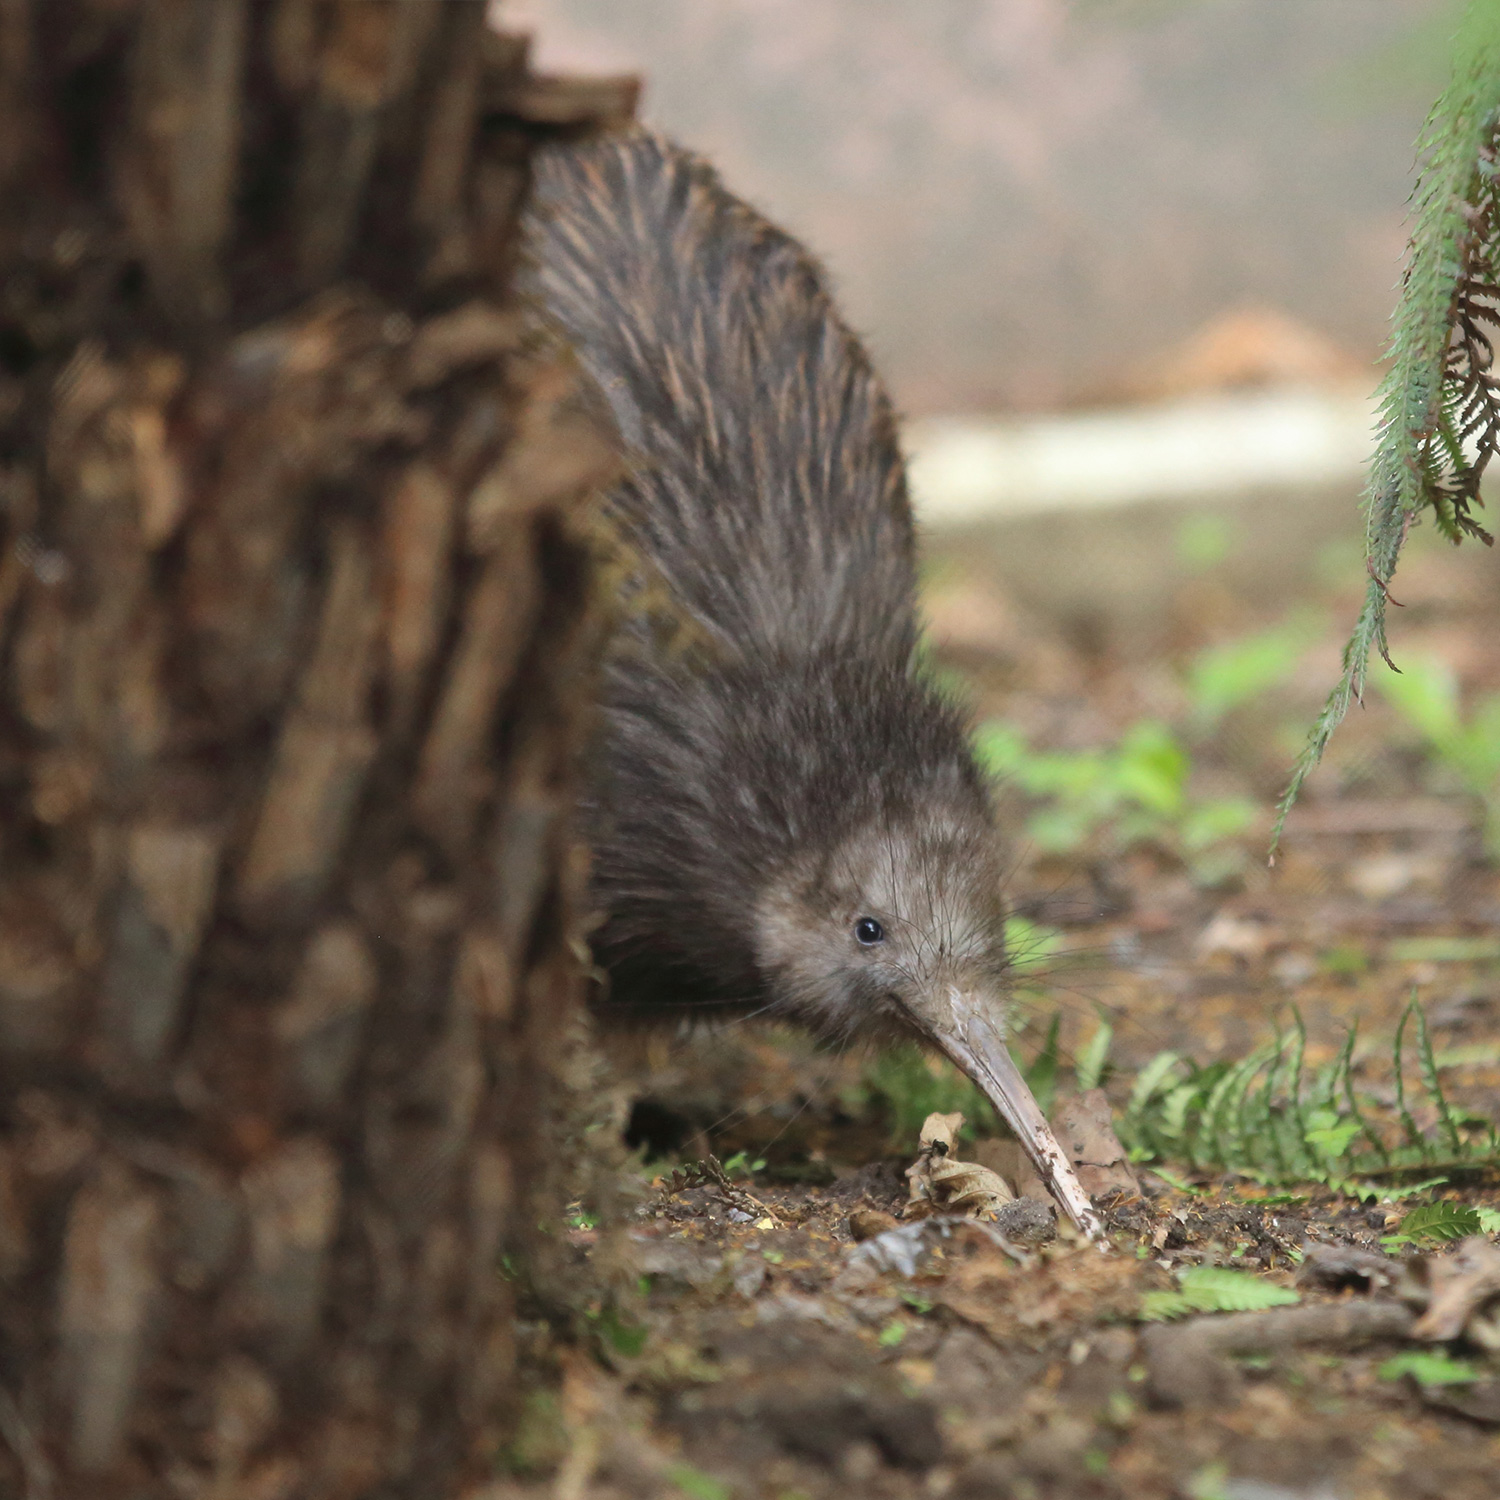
[(1185, 1363)]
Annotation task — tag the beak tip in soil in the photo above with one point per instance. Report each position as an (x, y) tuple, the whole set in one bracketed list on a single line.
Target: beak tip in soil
[(964, 1028)]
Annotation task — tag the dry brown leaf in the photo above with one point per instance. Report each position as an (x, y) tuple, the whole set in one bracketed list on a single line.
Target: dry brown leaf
[(940, 1131), (1459, 1287), (940, 1184), (1086, 1132)]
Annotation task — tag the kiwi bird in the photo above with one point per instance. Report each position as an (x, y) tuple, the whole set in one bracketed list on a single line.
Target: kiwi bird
[(785, 815)]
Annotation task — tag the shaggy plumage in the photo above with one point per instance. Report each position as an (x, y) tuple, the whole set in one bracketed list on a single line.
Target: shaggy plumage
[(787, 774)]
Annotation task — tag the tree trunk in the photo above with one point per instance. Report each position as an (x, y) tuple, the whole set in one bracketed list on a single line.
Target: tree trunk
[(296, 653)]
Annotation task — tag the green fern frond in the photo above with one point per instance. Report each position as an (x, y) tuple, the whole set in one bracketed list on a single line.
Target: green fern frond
[(1216, 1289), (1265, 1118), (1437, 391)]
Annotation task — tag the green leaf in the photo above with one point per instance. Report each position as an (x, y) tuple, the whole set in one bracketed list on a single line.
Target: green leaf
[(1207, 823), (1473, 1054), (1149, 1081), (1219, 1289), (1095, 1054), (1330, 1140), (741, 1165), (1041, 1076), (892, 1334), (1210, 1289), (1444, 950), (1203, 541), (1430, 1080), (1152, 769), (697, 1485), (1030, 946), (1369, 1192), (1159, 1307), (1266, 1118), (1425, 693), (999, 749), (1178, 1184), (1409, 1125), (1347, 961), (1211, 1482), (1489, 1219), (911, 1084), (1436, 1221), (1429, 1368), (1222, 678), (623, 1335)]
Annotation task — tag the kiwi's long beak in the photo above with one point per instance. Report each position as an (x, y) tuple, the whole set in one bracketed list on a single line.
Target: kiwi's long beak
[(964, 1027)]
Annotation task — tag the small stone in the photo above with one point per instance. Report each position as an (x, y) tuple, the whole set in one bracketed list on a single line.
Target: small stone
[(750, 1277)]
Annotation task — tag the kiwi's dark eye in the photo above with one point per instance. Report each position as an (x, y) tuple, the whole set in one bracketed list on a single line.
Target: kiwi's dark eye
[(869, 932)]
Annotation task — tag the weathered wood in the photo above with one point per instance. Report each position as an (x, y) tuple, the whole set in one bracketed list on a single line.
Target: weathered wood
[(326, 745), (178, 187), (558, 453), (457, 767), (319, 1024), (109, 1283), (417, 547), (447, 136), (164, 899), (565, 101), (16, 79), (371, 52), (297, 630)]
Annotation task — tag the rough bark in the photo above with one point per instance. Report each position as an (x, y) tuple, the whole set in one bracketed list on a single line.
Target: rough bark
[(295, 643)]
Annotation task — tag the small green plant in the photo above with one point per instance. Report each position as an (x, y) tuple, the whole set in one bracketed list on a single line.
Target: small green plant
[(1425, 693), (1030, 947), (1216, 1289), (741, 1165), (1203, 541), (618, 1333), (1428, 1367), (1267, 1118), (539, 1434), (1211, 1482), (1093, 1057), (697, 1485), (1041, 1073), (1433, 1222), (1223, 678), (911, 1084), (1133, 791)]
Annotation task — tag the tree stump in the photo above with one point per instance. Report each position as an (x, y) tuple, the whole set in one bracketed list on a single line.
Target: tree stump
[(297, 648)]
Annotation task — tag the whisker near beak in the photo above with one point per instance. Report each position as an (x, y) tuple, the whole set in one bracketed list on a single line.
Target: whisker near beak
[(969, 1036)]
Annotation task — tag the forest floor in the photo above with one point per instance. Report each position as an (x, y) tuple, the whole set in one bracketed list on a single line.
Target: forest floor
[(765, 1353)]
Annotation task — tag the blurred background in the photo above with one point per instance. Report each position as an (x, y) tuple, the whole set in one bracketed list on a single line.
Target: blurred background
[(1024, 201), (1127, 266)]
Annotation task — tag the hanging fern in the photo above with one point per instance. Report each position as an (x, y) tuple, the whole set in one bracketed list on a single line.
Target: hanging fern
[(1440, 402)]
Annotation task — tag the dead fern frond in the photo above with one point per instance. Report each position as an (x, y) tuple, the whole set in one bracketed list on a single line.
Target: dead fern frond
[(710, 1174)]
